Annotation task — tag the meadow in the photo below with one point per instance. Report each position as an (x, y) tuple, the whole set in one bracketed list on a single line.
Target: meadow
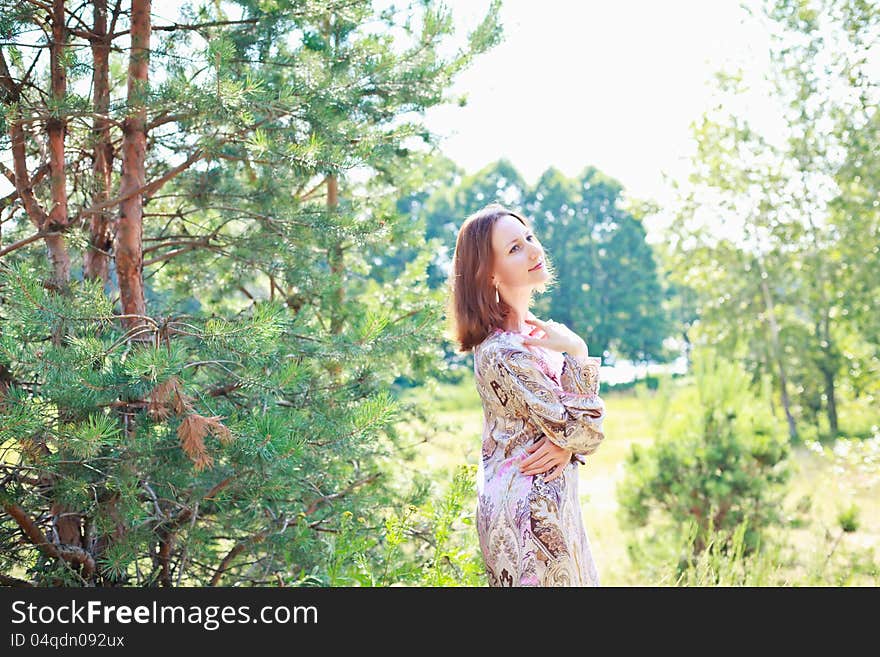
[(832, 504)]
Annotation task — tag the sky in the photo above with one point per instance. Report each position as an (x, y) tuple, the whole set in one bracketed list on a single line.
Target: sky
[(612, 84)]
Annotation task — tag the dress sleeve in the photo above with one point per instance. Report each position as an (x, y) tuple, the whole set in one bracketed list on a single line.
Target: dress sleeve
[(581, 377), (570, 416)]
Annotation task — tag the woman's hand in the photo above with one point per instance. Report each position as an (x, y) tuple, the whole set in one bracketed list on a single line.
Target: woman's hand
[(557, 337), (545, 455)]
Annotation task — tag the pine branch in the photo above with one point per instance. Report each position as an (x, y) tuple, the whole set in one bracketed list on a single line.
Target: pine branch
[(15, 472), (154, 185), (151, 186), (10, 175), (116, 13), (166, 541), (334, 496), (224, 390), (168, 118), (198, 26), (234, 552), (68, 553), (40, 5), (27, 240), (285, 522), (23, 183), (313, 190), (37, 117), (36, 176), (192, 243), (182, 26)]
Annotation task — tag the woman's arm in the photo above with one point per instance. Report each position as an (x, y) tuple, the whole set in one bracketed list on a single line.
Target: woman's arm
[(580, 374), (570, 417)]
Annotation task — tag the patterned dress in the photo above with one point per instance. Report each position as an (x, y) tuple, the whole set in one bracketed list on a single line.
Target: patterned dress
[(530, 530)]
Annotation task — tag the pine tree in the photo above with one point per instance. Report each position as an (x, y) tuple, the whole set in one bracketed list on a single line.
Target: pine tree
[(208, 396)]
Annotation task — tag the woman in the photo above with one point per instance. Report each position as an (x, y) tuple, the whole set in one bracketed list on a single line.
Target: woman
[(542, 412)]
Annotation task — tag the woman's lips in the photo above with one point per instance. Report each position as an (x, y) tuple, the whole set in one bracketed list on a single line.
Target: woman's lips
[(538, 266)]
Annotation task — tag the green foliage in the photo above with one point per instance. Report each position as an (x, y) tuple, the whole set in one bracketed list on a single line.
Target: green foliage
[(663, 555), (454, 562), (130, 436), (433, 544), (242, 437), (848, 519), (607, 282), (719, 460), (726, 560), (787, 288)]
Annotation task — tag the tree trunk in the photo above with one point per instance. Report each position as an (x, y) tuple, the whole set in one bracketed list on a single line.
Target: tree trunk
[(67, 525), (828, 371), (777, 355), (823, 327), (129, 235), (67, 522), (832, 403), (56, 127), (767, 365), (336, 262), (335, 254), (334, 257), (97, 257), (58, 255)]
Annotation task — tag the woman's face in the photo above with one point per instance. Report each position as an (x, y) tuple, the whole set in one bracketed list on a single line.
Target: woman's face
[(519, 256)]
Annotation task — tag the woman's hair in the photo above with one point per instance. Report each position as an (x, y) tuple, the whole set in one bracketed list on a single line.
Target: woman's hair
[(472, 310)]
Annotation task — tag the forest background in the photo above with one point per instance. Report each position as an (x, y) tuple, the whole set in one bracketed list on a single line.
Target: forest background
[(224, 239)]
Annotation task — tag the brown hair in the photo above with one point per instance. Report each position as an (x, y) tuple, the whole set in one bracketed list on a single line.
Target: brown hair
[(472, 310)]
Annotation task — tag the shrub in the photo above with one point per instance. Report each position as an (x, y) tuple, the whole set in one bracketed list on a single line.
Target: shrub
[(429, 542), (720, 458)]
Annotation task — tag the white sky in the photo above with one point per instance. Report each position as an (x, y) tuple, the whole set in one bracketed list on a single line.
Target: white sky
[(613, 84)]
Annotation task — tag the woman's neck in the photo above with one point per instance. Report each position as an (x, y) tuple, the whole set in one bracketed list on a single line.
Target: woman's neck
[(515, 321), (518, 299)]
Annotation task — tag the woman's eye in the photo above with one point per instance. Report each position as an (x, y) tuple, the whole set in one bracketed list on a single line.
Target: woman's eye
[(516, 245)]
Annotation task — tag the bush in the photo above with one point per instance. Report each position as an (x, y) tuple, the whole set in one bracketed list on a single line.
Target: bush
[(429, 542), (719, 460)]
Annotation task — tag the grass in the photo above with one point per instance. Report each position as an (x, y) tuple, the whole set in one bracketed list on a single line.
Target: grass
[(822, 491), (841, 502)]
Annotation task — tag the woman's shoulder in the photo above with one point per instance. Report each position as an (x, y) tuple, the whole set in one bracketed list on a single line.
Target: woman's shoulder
[(501, 344), (498, 338), (507, 348)]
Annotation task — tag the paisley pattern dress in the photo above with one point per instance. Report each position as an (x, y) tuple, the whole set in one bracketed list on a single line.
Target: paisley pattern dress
[(530, 530)]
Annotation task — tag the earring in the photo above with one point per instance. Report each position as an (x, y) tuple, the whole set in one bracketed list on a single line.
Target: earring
[(497, 298)]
